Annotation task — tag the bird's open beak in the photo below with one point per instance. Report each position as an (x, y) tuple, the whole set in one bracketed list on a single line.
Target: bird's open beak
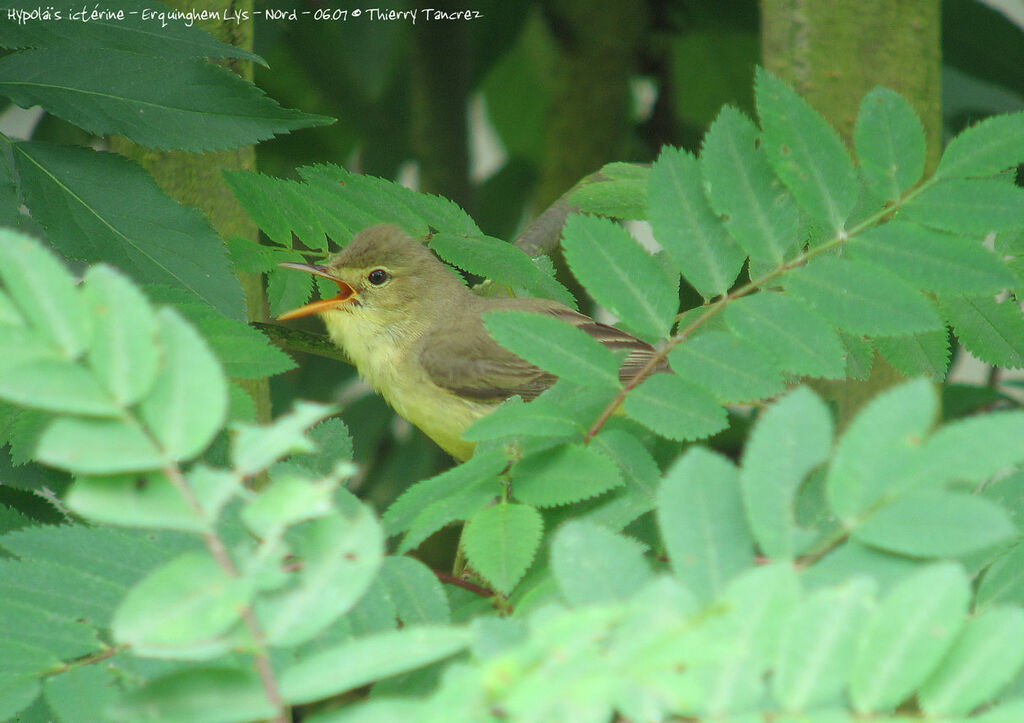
[(345, 292)]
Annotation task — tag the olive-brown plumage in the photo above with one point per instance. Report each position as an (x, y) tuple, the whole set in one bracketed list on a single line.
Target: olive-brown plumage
[(416, 334)]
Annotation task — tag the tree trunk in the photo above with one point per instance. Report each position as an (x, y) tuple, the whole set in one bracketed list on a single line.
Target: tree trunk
[(835, 51), (195, 178), (440, 92), (588, 127)]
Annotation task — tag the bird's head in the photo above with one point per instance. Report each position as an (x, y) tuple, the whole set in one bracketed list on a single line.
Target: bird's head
[(384, 277)]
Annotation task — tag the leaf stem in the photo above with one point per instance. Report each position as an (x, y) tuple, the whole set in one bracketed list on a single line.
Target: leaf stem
[(450, 579), (751, 286), (220, 554)]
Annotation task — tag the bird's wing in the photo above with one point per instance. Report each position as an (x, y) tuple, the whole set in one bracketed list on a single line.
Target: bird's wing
[(638, 352), (474, 365)]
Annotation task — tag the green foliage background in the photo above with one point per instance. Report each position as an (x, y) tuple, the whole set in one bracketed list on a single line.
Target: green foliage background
[(724, 549)]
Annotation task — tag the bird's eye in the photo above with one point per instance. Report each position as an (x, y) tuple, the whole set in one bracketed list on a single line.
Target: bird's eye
[(377, 277)]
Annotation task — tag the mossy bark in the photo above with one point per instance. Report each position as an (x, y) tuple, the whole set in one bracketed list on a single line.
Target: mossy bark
[(590, 100), (440, 73), (195, 178), (835, 51)]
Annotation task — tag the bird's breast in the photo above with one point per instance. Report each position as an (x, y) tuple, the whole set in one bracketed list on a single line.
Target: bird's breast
[(386, 358)]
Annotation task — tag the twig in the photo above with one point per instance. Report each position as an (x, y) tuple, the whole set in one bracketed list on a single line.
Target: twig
[(220, 554), (448, 578), (655, 361), (297, 340), (541, 236)]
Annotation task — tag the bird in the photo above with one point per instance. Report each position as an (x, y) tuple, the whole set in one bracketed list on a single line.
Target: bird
[(415, 333)]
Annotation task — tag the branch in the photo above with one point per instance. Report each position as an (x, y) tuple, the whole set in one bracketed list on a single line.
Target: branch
[(751, 286), (541, 236), (297, 340), (448, 578), (218, 550)]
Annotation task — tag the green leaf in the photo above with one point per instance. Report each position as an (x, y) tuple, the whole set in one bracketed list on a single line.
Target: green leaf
[(57, 386), (340, 555), (984, 149), (564, 350), (333, 443), (281, 207), (728, 366), (78, 574), (501, 262), (757, 603), (860, 355), (685, 226), (862, 299), (98, 446), (10, 201), (741, 186), (331, 202), (992, 331), (134, 501), (981, 661), (541, 417), (388, 201), (45, 293), (907, 635), (213, 488), (932, 260), (461, 505), (500, 543), (415, 590), (791, 438), (134, 33), (890, 143), (364, 660), (9, 314), (1007, 712), (620, 193), (976, 206), (124, 354), (256, 448), (287, 500), (83, 693), (936, 524), (182, 609), (639, 471), (563, 475), (806, 152), (34, 641), (287, 290), (700, 515), (199, 695), (482, 468), (817, 645), (915, 354), (798, 340), (674, 408), (621, 275), (154, 101), (188, 402), (243, 351), (16, 693), (1003, 580), (883, 441), (101, 207), (971, 450), (592, 564)]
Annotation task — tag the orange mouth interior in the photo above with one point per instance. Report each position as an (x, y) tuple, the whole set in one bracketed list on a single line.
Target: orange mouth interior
[(345, 292)]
